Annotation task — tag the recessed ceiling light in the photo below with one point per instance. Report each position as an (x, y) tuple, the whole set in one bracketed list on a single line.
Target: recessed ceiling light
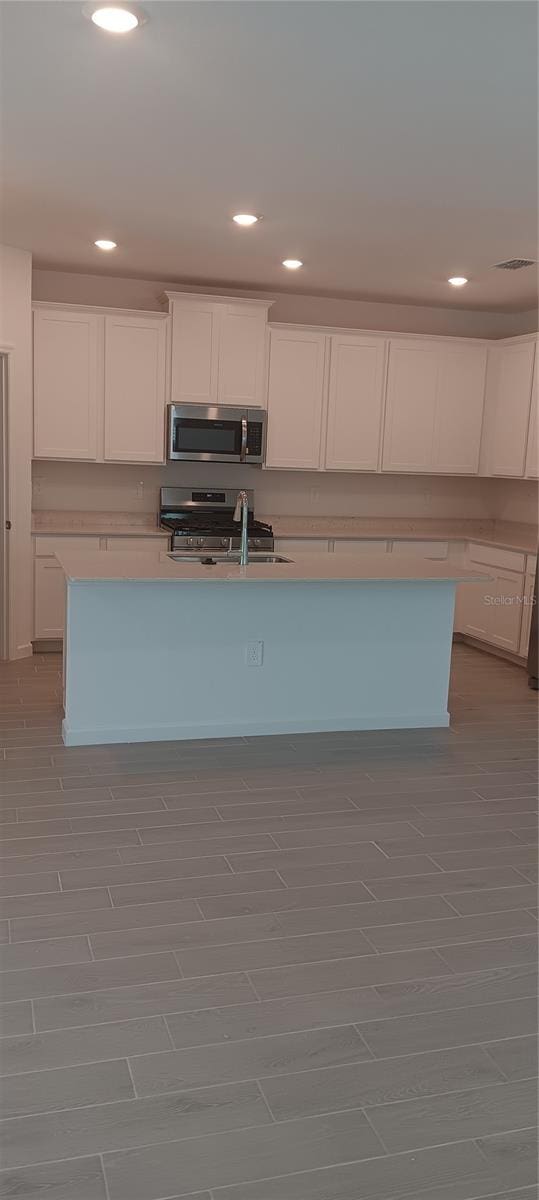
[(292, 264), (115, 19), (245, 219), (457, 280), (105, 244)]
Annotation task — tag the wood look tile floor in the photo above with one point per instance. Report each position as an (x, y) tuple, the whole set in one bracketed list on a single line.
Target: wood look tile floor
[(297, 968)]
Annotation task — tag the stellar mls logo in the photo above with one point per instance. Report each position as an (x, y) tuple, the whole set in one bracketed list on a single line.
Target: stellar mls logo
[(509, 601)]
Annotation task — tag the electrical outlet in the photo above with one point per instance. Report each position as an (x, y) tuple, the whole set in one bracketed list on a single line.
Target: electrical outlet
[(139, 489), (254, 654)]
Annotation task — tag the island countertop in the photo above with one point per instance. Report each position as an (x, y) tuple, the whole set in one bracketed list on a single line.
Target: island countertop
[(153, 566)]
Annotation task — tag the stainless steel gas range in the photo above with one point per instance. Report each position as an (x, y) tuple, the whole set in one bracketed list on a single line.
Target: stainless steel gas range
[(201, 521)]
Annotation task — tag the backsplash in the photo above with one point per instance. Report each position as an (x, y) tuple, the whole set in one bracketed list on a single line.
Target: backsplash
[(114, 487)]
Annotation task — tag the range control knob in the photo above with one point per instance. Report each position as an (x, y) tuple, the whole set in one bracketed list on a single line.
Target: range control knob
[(257, 541), (189, 541), (200, 541), (224, 541)]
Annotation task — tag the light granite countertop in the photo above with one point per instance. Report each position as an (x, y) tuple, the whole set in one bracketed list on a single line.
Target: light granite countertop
[(156, 566), (508, 535)]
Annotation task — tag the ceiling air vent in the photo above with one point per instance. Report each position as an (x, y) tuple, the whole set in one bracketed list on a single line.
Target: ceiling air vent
[(514, 264)]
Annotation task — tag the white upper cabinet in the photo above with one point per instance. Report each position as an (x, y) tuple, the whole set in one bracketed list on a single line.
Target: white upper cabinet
[(135, 374), (459, 409), (507, 409), (532, 452), (295, 398), (68, 381), (99, 384), (242, 350), (434, 406), (410, 405), (355, 403), (195, 349), (218, 349)]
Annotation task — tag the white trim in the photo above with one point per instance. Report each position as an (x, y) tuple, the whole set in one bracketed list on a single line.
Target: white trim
[(205, 298), (173, 733), (100, 309)]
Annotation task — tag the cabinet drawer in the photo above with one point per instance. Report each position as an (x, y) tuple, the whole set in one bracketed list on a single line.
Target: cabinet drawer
[(292, 546), (421, 549), (47, 546), (492, 556), (138, 543), (359, 546)]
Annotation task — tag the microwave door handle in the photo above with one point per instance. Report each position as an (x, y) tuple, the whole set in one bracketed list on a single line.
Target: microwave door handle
[(243, 451)]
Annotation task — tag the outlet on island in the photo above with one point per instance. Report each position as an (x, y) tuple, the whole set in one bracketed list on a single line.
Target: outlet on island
[(254, 654)]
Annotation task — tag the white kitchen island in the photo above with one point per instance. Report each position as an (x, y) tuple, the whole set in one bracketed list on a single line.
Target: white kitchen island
[(158, 650)]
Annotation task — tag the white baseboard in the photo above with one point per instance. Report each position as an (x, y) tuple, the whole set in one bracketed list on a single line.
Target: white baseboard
[(185, 732)]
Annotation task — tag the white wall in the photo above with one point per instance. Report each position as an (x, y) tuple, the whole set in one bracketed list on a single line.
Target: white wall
[(82, 486), (515, 500), (16, 339), (71, 288)]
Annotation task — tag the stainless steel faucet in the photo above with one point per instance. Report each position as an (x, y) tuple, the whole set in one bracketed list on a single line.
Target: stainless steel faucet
[(242, 506)]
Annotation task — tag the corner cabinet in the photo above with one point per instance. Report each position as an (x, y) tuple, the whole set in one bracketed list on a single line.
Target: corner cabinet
[(295, 398), (507, 410), (100, 384), (218, 349), (434, 407)]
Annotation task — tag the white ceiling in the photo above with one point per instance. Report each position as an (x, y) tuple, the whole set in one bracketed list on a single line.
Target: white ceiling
[(389, 144)]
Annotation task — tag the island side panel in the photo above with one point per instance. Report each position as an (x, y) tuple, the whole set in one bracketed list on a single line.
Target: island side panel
[(156, 661)]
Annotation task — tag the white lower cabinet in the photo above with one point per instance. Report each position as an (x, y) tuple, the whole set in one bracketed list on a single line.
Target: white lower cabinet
[(493, 611), (49, 599), (49, 582)]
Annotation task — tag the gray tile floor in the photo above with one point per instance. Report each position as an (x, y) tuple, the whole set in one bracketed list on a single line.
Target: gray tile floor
[(297, 968)]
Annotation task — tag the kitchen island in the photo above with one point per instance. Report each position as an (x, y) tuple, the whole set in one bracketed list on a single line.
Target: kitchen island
[(158, 650)]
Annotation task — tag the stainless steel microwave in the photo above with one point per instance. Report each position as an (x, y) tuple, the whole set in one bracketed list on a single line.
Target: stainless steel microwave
[(216, 433)]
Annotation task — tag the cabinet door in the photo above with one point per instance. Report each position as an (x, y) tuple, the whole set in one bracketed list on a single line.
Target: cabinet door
[(527, 609), (135, 370), (410, 405), (493, 611), (354, 426), (532, 452), (49, 598), (505, 614), (471, 612), (242, 341), (459, 409), (507, 409), (295, 395), (195, 351), (68, 383)]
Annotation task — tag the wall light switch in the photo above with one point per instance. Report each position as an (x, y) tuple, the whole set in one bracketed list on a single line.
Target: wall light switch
[(139, 489)]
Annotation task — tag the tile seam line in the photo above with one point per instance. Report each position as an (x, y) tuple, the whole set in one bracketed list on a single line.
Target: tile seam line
[(327, 1166), (302, 1029)]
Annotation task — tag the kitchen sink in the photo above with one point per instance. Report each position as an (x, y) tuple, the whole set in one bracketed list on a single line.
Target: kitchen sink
[(211, 560)]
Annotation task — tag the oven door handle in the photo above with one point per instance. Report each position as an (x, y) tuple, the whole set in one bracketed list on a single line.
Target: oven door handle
[(243, 450)]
